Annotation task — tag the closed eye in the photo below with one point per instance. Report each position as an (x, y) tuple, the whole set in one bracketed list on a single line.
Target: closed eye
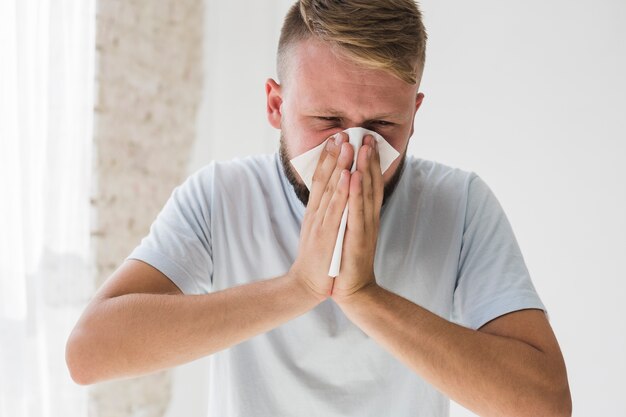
[(337, 120)]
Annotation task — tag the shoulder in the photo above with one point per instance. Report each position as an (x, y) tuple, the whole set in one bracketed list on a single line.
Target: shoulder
[(236, 171), (423, 176), (239, 176), (250, 177), (251, 171), (249, 165), (452, 192)]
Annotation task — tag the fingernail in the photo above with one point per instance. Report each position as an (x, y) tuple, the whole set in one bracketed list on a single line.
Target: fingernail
[(330, 145), (338, 138), (369, 152)]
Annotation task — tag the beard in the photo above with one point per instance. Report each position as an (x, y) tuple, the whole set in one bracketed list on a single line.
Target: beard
[(302, 192)]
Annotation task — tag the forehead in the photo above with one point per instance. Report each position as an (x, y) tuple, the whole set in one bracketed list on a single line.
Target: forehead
[(319, 74)]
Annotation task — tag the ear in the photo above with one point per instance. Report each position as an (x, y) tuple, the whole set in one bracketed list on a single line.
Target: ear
[(418, 103), (274, 101)]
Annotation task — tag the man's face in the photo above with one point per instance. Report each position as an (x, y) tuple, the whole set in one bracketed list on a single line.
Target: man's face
[(324, 93)]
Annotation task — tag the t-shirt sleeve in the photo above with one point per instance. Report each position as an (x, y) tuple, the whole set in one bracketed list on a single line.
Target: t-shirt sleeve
[(179, 241), (492, 278)]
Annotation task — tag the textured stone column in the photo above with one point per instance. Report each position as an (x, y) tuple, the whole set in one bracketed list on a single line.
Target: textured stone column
[(148, 85)]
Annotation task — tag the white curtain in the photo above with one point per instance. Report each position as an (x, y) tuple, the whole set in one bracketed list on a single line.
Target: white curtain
[(46, 274)]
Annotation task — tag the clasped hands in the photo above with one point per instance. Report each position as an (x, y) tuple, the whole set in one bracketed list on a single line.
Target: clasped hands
[(333, 187)]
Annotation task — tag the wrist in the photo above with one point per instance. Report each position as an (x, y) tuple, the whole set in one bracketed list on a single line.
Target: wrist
[(303, 290), (364, 293)]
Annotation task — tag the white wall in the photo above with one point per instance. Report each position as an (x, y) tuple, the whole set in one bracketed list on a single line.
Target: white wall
[(530, 95), (239, 55)]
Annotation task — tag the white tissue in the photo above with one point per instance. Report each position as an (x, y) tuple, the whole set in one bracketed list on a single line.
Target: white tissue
[(306, 163)]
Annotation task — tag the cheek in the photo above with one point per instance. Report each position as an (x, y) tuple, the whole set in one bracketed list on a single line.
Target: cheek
[(302, 138)]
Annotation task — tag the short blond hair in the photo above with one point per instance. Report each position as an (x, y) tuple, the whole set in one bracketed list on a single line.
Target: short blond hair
[(379, 34)]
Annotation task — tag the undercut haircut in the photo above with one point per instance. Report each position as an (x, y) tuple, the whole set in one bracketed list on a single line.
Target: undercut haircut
[(382, 34)]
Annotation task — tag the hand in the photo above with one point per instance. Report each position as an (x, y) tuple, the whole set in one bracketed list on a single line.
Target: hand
[(364, 205), (320, 226)]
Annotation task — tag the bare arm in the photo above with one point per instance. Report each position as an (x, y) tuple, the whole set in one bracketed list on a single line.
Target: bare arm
[(139, 322), (512, 366)]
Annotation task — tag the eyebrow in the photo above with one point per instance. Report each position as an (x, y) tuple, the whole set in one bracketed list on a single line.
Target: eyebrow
[(335, 113)]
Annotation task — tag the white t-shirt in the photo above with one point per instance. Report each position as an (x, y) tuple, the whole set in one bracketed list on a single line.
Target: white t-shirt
[(444, 243)]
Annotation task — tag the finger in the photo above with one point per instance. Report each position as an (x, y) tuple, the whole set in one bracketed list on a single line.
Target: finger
[(325, 167), (355, 208), (378, 184), (337, 204), (346, 156), (366, 186)]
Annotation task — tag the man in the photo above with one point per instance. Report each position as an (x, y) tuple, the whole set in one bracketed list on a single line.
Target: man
[(433, 299)]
